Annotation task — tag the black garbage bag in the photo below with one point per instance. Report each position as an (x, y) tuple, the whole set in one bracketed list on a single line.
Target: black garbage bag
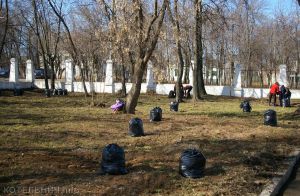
[(172, 94), (60, 91), (192, 163), (47, 92), (65, 92), (136, 128), (55, 92), (18, 92), (174, 106), (156, 114), (245, 105), (270, 118), (113, 160)]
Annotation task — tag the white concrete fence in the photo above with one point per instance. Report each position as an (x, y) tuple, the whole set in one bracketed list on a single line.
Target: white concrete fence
[(109, 86)]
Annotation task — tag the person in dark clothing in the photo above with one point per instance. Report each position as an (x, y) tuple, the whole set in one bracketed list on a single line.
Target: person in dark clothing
[(282, 91), (287, 98), (274, 90), (187, 91)]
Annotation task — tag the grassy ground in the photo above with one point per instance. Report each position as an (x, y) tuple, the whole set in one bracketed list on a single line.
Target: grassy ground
[(53, 145)]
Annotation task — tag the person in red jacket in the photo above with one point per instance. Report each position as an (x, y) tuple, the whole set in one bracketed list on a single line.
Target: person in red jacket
[(273, 91)]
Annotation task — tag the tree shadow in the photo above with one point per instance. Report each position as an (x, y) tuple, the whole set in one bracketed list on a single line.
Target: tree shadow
[(241, 114), (214, 170), (260, 154)]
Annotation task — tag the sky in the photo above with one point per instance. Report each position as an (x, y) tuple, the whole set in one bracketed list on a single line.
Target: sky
[(285, 5)]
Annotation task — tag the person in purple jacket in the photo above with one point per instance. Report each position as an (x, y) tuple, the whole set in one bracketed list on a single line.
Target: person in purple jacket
[(118, 106)]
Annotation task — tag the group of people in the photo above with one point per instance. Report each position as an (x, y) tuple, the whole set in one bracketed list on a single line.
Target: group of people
[(283, 92), (185, 91)]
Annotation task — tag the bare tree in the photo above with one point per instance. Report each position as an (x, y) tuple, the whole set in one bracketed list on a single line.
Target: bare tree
[(75, 53), (146, 38)]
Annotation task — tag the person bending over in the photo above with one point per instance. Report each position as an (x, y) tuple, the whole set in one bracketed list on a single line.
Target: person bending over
[(187, 91)]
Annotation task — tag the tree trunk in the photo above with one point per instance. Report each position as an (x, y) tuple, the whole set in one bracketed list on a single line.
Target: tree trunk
[(123, 93), (134, 93), (5, 29), (261, 77), (187, 65), (199, 88), (196, 93), (123, 72), (45, 72), (52, 74), (298, 51)]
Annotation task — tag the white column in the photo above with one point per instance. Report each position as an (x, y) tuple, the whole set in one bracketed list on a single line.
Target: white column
[(237, 81), (183, 73), (109, 80), (204, 71), (29, 71), (282, 77), (69, 75), (77, 72), (150, 77), (14, 70), (191, 78), (227, 73)]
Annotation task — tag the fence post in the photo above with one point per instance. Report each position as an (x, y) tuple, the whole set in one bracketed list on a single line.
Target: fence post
[(150, 77), (109, 80), (237, 81), (77, 72), (14, 70), (282, 77), (191, 78), (69, 75)]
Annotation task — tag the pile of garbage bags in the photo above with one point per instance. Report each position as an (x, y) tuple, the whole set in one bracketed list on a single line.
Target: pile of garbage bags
[(54, 92), (60, 92)]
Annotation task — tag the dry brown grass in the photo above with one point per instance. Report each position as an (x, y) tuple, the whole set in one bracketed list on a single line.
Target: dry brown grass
[(56, 143)]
